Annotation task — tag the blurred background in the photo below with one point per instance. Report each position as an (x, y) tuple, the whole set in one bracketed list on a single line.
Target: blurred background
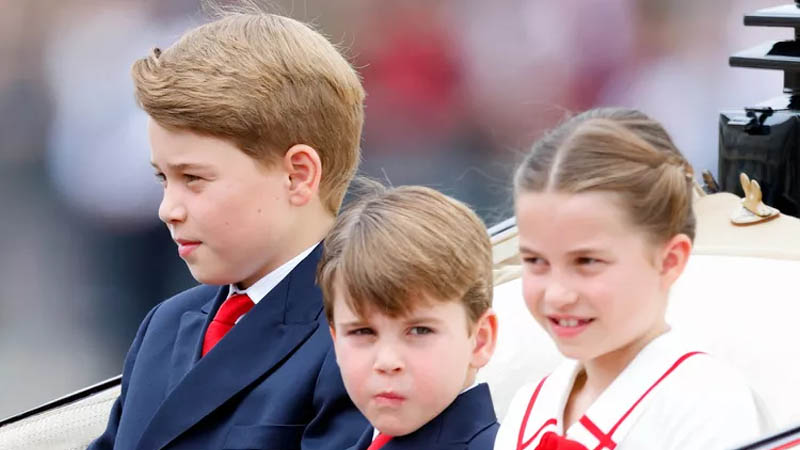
[(457, 90)]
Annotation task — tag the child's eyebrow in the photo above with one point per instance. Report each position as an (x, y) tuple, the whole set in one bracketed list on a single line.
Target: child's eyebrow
[(423, 319), (575, 251), (584, 250), (181, 166), (353, 323)]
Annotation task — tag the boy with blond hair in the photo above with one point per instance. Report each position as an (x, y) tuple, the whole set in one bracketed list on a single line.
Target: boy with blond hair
[(255, 122), (406, 276)]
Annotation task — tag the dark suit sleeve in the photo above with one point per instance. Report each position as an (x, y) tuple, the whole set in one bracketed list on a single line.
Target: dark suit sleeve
[(106, 440), (336, 424)]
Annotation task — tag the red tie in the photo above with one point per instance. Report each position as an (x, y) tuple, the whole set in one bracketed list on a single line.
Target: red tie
[(552, 441), (379, 441), (231, 310)]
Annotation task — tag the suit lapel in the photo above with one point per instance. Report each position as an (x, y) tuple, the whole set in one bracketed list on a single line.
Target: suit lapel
[(189, 342), (273, 329), (364, 440)]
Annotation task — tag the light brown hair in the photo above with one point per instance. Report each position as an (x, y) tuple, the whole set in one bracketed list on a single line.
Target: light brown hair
[(396, 249), (621, 151), (266, 83)]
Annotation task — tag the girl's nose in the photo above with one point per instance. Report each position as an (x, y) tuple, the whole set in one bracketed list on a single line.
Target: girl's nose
[(557, 295)]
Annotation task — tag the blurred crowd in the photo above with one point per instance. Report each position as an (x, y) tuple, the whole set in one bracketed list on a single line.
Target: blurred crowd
[(457, 90)]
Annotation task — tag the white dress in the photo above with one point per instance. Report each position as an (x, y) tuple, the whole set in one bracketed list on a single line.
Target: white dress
[(668, 397)]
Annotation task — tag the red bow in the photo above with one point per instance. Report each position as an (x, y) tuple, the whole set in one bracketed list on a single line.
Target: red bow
[(552, 441)]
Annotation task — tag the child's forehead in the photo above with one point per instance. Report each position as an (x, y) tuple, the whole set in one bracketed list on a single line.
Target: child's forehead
[(184, 146), (575, 220), (415, 307)]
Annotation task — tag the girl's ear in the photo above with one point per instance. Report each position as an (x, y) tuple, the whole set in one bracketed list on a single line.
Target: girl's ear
[(674, 256), (485, 339)]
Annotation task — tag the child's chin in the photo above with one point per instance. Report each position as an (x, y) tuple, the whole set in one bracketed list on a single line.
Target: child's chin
[(205, 276), (395, 429), (573, 352)]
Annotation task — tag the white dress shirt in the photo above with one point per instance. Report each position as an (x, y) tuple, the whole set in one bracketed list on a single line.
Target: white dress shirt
[(263, 286)]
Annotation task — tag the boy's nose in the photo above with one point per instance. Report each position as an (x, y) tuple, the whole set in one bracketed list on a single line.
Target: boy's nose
[(171, 210), (388, 360)]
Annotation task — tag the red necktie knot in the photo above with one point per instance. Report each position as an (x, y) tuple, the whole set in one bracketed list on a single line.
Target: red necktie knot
[(379, 441), (231, 310)]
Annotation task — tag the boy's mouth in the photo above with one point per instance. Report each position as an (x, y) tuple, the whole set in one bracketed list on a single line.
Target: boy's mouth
[(185, 246), (388, 398)]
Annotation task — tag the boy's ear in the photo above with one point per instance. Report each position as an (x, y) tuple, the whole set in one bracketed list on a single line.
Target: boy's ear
[(333, 338), (674, 256), (304, 167), (485, 339), (333, 332)]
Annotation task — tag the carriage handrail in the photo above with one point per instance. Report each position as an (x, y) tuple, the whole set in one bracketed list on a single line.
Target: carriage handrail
[(785, 437), (65, 400)]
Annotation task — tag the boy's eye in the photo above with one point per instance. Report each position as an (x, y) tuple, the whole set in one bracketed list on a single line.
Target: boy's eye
[(418, 331), (190, 178), (361, 332), (160, 177)]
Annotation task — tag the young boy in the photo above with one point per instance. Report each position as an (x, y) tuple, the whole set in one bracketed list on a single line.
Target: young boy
[(255, 128), (406, 277)]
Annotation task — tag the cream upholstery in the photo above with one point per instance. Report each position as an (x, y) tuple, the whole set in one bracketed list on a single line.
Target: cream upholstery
[(777, 239), (69, 427)]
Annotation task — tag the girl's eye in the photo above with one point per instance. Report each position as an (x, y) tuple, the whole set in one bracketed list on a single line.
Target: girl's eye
[(533, 260), (361, 332), (190, 178), (587, 261), (419, 331), (535, 265), (160, 178)]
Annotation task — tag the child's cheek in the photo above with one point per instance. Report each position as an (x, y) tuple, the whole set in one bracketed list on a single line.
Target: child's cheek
[(351, 366), (532, 291), (432, 371)]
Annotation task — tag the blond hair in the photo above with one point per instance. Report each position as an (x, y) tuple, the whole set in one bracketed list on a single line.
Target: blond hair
[(403, 247), (621, 151), (266, 83)]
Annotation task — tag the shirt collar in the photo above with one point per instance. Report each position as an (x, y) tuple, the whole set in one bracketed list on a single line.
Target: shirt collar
[(262, 287)]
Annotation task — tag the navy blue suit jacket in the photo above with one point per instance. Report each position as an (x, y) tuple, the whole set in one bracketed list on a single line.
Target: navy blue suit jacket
[(271, 383), (469, 423)]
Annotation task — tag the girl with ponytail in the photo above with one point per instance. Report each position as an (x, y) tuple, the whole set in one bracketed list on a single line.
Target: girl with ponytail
[(604, 211)]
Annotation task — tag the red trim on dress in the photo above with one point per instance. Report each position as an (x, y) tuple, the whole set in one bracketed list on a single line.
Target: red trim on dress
[(520, 445), (669, 371), (604, 438), (787, 445), (544, 425)]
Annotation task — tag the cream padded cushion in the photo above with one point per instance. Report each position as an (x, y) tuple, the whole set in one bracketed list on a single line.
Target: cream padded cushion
[(70, 427)]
